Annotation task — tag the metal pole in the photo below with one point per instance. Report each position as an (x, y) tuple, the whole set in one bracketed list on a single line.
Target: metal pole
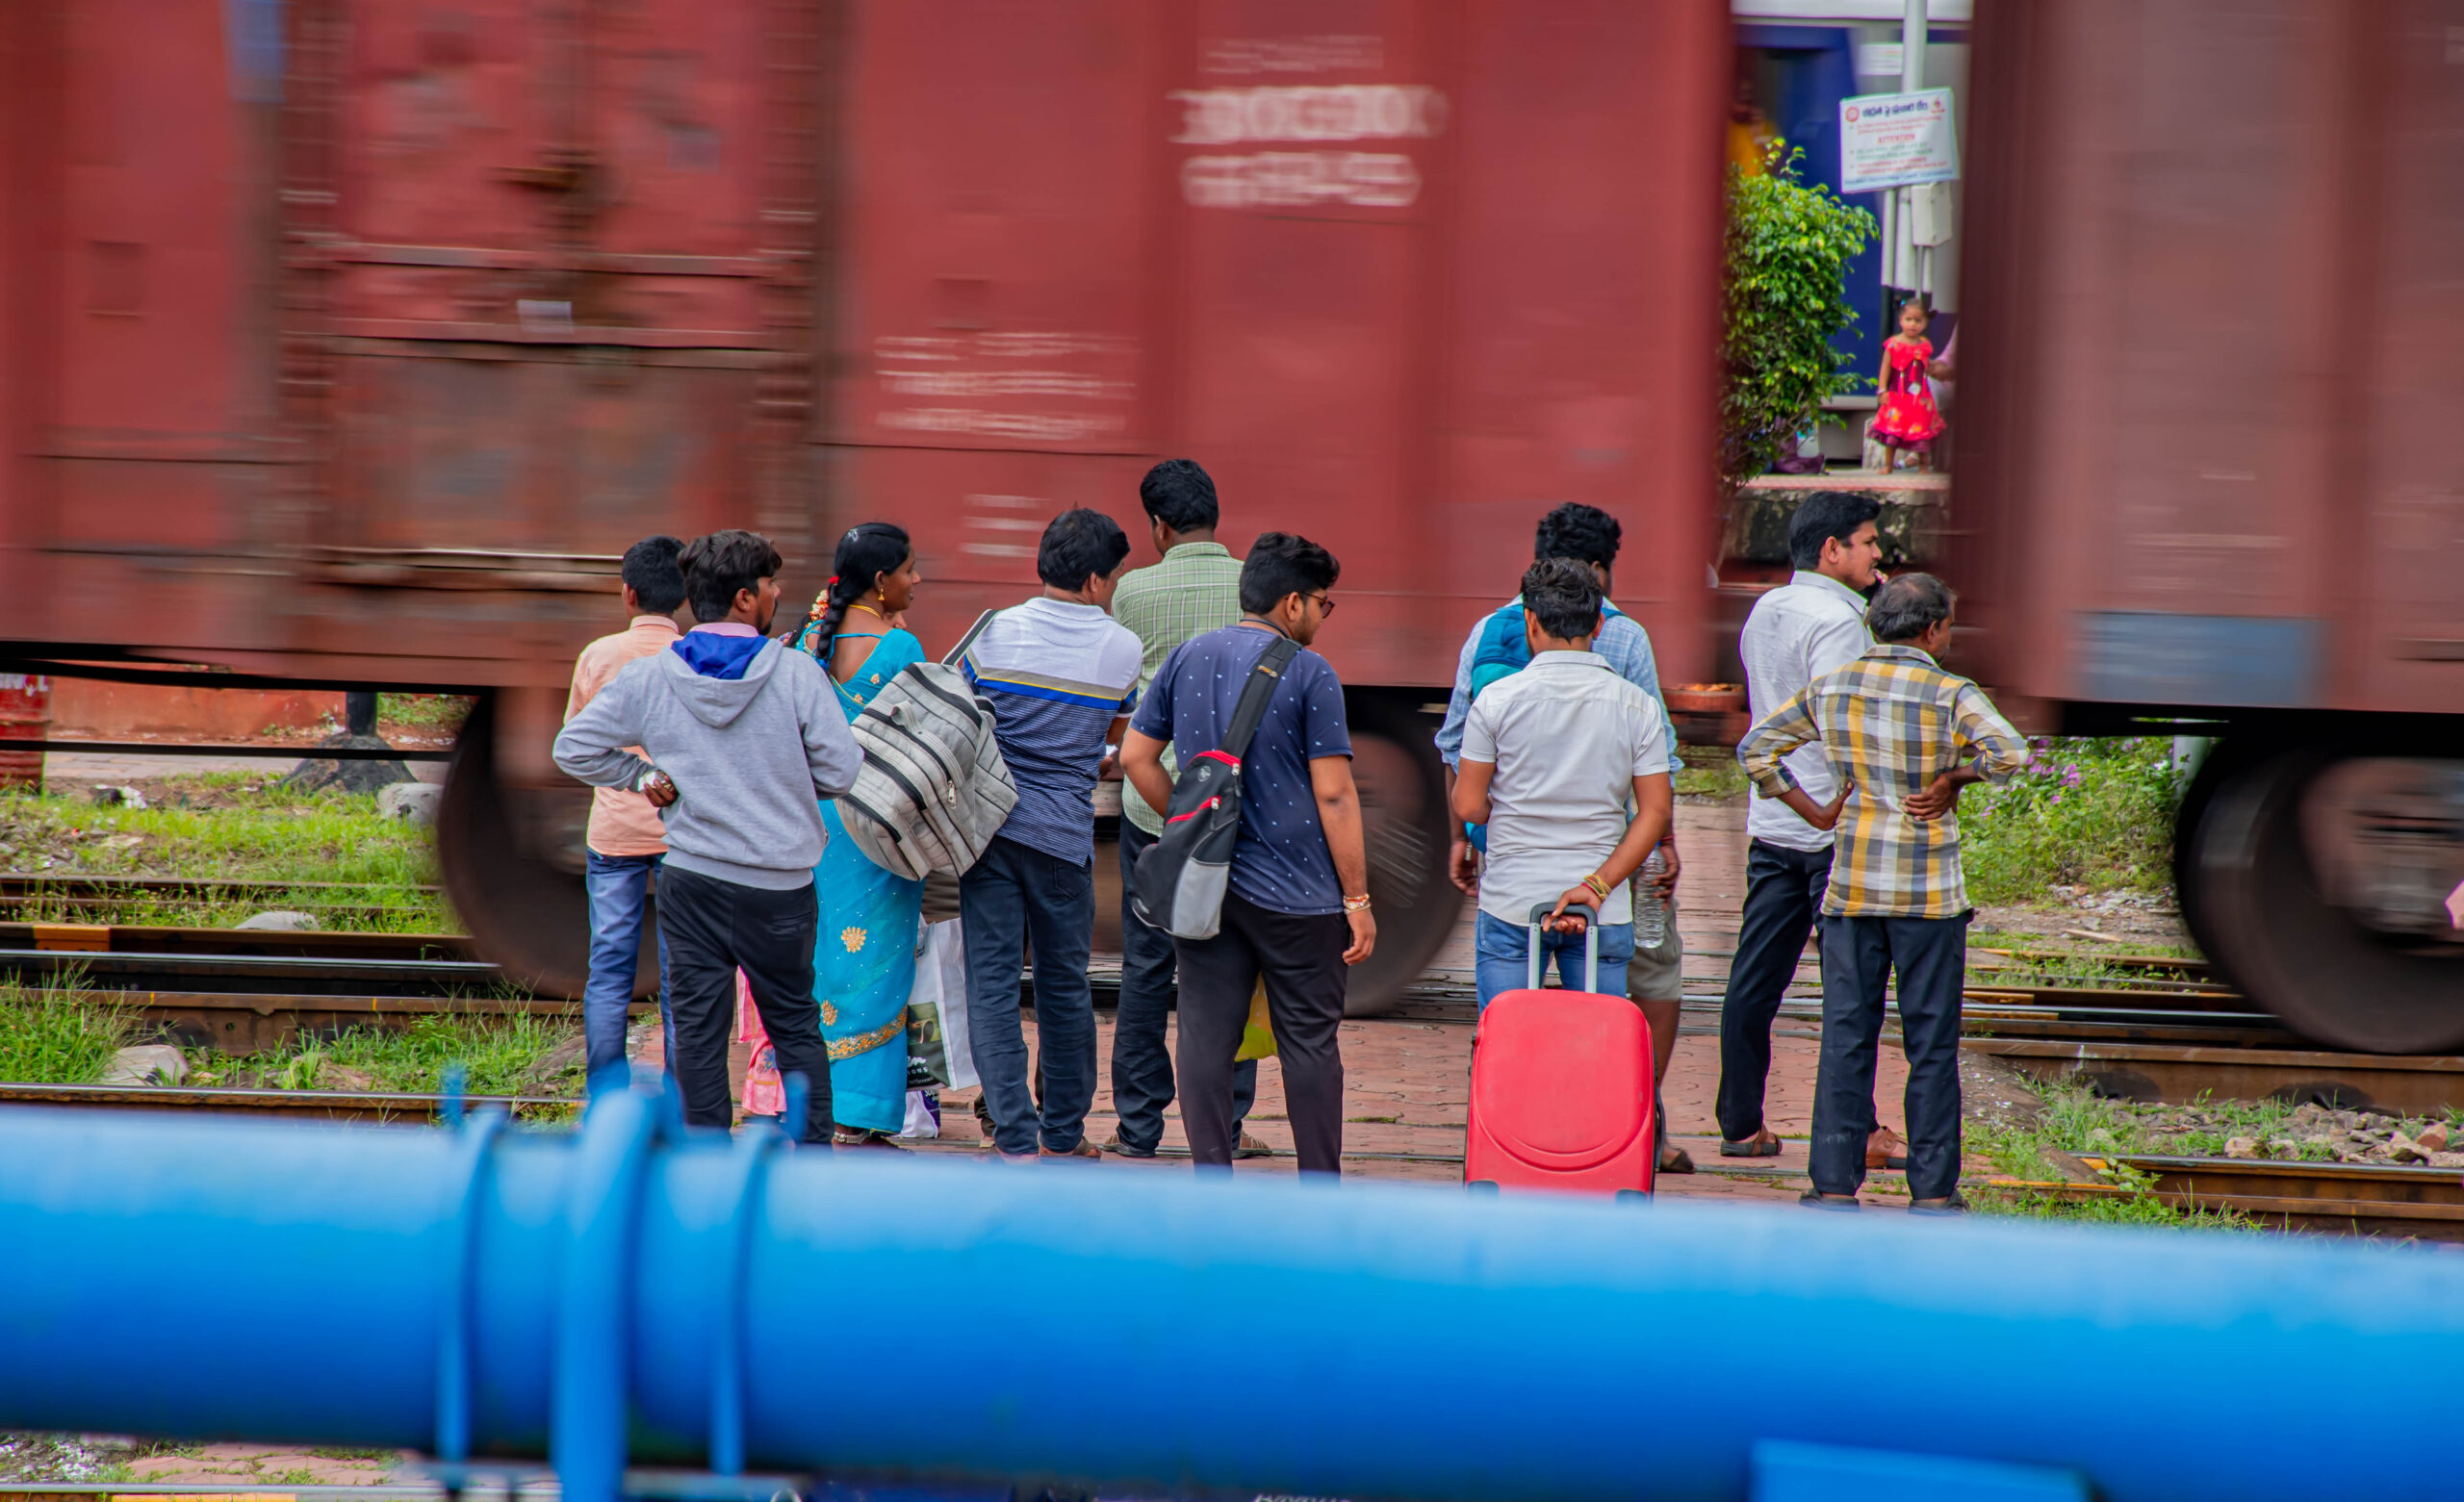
[(1912, 78), (638, 1292)]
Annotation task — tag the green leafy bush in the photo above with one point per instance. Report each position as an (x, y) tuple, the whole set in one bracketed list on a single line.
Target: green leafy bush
[(1787, 250), (2096, 814)]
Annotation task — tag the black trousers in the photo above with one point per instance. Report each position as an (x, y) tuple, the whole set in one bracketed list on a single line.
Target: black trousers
[(1300, 956), (713, 929), (1143, 1084), (1858, 957), (1783, 891)]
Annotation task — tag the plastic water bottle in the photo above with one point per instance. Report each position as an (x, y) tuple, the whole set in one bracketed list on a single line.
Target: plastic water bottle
[(1651, 914)]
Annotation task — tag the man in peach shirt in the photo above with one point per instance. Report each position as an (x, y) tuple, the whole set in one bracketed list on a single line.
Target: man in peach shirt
[(627, 839)]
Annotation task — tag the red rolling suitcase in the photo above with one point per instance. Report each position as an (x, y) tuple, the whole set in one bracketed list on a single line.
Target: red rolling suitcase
[(1561, 1087)]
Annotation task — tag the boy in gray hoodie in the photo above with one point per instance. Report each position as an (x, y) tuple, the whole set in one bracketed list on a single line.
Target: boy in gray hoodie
[(753, 738)]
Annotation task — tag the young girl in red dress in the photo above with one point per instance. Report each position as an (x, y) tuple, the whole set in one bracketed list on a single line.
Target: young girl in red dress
[(1907, 418)]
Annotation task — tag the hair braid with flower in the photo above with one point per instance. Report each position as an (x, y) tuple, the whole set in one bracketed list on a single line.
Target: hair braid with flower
[(865, 552)]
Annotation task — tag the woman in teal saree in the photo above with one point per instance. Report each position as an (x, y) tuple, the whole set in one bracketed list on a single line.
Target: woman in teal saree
[(864, 952)]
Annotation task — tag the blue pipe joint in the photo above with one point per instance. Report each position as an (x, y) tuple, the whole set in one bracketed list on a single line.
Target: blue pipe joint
[(636, 1294)]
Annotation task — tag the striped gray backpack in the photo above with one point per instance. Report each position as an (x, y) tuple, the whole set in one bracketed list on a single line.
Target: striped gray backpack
[(934, 789)]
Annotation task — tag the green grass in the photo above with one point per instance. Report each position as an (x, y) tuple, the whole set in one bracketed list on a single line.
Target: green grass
[(236, 826), (2092, 814), (499, 1055), (57, 1036), (2077, 1121), (1710, 772), (2083, 967), (423, 711)]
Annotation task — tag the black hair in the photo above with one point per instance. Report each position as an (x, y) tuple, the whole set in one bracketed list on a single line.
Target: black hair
[(1906, 606), (1583, 533), (1181, 496), (1823, 515), (1079, 542), (1917, 301), (1563, 595), (719, 567), (1282, 564), (652, 573), (865, 552)]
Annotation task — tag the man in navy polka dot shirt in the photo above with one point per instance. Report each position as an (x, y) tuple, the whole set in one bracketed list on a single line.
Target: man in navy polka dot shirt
[(1296, 916)]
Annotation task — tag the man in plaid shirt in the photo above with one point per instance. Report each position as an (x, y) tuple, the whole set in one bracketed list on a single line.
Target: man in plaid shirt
[(1905, 737)]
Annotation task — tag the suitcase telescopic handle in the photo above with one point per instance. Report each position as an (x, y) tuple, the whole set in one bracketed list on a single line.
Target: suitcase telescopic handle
[(1540, 912)]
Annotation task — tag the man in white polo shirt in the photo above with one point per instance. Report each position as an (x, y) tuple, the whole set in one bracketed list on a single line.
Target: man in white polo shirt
[(1795, 633), (1567, 764)]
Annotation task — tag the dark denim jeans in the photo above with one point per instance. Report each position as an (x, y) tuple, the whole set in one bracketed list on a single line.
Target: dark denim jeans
[(1142, 1084), (1783, 891), (1013, 897), (619, 887), (1859, 955), (715, 928)]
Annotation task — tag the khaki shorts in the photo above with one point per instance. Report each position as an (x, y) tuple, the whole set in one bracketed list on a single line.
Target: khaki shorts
[(1657, 975)]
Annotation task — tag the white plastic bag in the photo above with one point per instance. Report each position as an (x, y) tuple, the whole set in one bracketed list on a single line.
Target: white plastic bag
[(939, 1052)]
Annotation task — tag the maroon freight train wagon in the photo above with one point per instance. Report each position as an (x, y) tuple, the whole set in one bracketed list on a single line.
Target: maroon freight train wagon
[(349, 341), (2212, 470)]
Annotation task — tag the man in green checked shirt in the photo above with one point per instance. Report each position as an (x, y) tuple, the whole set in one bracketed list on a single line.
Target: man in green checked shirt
[(1197, 588)]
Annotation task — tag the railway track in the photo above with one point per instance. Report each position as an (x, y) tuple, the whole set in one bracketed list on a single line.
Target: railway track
[(2336, 1199), (20, 890), (368, 1106), (243, 990)]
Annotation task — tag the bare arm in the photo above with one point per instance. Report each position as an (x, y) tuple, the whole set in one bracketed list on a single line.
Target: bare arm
[(1339, 815), (1141, 762), (1653, 799), (1468, 797)]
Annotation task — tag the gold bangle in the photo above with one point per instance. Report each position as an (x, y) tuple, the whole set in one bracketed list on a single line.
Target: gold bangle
[(1356, 904)]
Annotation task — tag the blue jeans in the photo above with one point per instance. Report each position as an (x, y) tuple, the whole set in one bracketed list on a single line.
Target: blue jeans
[(1017, 896), (619, 887), (1504, 960)]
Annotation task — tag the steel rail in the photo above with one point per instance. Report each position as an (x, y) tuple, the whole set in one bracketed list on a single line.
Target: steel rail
[(274, 752), (2419, 1084), (2347, 1198), (378, 1106)]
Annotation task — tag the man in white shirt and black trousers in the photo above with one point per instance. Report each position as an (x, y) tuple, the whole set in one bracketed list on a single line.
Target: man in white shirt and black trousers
[(1808, 626)]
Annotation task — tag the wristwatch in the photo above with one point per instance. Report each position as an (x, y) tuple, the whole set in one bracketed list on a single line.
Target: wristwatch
[(1356, 904)]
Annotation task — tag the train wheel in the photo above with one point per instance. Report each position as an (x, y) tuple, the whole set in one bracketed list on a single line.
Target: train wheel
[(526, 911), (2312, 876), (1402, 800)]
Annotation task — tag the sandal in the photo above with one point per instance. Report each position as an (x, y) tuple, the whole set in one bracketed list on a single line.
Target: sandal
[(846, 1138), (1762, 1144)]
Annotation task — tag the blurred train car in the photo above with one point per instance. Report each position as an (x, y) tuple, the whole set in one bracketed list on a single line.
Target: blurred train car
[(2212, 463), (348, 341)]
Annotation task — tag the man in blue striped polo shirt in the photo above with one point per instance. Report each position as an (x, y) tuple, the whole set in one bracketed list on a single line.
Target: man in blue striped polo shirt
[(1061, 677)]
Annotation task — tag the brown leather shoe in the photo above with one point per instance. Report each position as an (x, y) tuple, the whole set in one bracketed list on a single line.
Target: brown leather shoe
[(1886, 1149)]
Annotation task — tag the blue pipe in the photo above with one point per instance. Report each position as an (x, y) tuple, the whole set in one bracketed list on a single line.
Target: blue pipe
[(630, 1292)]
